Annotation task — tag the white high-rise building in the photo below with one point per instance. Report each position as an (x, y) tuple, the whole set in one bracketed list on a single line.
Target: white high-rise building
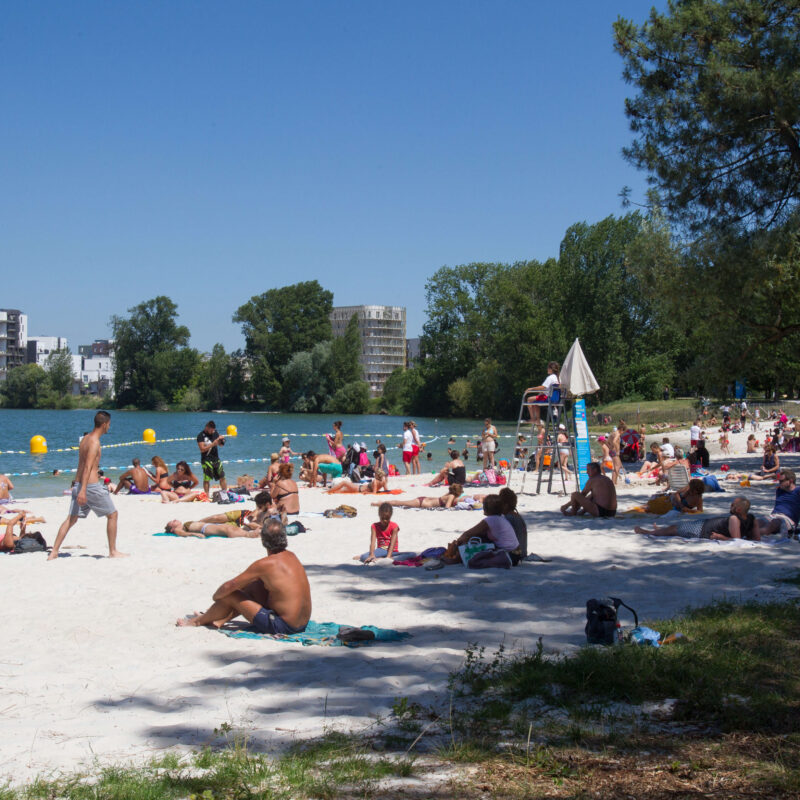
[(383, 340)]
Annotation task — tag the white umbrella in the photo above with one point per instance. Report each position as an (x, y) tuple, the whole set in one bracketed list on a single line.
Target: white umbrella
[(576, 375)]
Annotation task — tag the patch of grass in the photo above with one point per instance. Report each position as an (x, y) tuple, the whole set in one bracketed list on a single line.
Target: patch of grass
[(635, 412), (738, 667), (793, 580)]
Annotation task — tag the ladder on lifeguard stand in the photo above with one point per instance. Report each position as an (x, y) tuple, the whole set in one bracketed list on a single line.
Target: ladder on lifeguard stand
[(554, 413)]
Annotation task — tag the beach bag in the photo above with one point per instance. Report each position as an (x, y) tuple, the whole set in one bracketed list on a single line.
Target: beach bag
[(472, 547), (491, 476), (392, 470), (601, 619), (30, 543), (487, 559), (293, 528), (341, 511)]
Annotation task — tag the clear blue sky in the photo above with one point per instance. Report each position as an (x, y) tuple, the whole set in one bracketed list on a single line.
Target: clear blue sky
[(210, 151)]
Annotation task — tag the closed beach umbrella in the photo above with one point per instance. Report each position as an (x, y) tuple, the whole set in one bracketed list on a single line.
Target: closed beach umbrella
[(576, 375)]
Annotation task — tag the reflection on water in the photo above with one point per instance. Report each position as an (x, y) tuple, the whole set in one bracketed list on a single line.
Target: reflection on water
[(258, 435)]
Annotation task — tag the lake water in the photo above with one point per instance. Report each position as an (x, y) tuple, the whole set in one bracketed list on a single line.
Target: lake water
[(258, 436)]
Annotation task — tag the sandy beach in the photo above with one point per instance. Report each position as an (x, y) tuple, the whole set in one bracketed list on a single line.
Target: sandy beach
[(94, 668)]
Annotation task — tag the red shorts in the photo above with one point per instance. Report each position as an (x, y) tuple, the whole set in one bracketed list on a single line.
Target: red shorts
[(407, 456), (414, 450), (694, 442)]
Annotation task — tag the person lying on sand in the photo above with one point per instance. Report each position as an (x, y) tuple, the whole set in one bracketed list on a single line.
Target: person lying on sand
[(380, 483), (272, 593), (690, 498), (739, 524), (598, 497), (8, 538), (233, 524), (447, 500)]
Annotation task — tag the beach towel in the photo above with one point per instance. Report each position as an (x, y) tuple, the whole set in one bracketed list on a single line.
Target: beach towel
[(324, 634)]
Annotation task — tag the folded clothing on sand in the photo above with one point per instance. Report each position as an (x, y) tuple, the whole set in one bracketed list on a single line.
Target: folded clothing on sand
[(326, 634)]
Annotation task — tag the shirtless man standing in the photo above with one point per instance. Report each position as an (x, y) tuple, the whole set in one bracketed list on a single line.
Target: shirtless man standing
[(272, 593), (88, 493), (598, 498), (135, 480)]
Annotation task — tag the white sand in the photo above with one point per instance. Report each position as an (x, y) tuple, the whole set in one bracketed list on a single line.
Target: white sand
[(93, 667)]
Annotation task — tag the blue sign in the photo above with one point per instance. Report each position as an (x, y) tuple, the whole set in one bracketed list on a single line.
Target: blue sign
[(583, 451), (741, 390)]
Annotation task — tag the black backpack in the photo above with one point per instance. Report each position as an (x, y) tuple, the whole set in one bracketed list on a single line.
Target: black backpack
[(30, 543), (601, 619)]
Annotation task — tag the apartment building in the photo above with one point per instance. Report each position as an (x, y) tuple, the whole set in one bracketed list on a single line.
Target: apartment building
[(13, 339), (383, 340), (40, 347)]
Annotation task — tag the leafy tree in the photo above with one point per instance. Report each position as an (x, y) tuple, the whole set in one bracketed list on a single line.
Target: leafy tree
[(25, 386), (152, 357), (352, 398), (306, 380), (717, 114), (279, 323), (346, 356), (402, 390), (58, 367), (222, 378)]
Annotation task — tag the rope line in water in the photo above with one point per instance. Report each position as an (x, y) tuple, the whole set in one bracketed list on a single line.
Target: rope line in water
[(73, 448)]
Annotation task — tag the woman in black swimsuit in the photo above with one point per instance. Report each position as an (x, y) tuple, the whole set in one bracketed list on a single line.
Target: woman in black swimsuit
[(454, 470), (284, 491)]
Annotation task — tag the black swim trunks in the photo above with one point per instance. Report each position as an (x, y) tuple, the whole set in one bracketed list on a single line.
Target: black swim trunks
[(267, 621), (606, 512)]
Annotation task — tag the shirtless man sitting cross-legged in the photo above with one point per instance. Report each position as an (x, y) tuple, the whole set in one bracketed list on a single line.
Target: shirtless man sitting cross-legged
[(272, 593)]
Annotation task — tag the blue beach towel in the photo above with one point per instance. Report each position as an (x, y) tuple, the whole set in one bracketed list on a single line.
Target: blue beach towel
[(320, 633)]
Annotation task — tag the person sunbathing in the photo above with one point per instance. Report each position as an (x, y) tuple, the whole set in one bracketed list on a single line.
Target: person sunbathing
[(739, 524), (380, 483), (272, 593), (453, 471), (182, 483), (598, 498), (200, 529), (447, 500), (652, 460), (9, 539), (690, 498)]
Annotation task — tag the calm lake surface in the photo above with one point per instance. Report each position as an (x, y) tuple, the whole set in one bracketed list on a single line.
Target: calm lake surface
[(258, 435)]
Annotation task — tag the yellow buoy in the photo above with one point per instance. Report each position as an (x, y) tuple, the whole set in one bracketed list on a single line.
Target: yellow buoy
[(231, 431), (149, 436), (38, 445)]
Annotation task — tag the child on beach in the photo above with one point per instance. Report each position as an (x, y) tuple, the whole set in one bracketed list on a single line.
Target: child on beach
[(383, 536)]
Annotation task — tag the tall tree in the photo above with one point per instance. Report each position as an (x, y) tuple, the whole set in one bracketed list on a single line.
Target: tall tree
[(152, 360), (24, 386), (58, 366), (717, 115), (346, 356), (279, 323)]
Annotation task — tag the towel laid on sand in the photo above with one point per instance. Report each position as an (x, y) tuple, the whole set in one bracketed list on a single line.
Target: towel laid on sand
[(326, 634)]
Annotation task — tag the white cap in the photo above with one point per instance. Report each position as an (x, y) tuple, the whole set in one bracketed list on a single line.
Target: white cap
[(356, 447), (562, 427)]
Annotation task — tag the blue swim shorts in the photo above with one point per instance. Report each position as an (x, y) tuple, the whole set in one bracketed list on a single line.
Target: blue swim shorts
[(267, 621)]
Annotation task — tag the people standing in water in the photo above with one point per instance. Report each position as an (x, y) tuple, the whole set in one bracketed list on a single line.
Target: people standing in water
[(88, 493), (335, 442)]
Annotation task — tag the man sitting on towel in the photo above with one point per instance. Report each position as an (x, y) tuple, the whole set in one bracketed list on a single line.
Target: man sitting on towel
[(272, 593), (598, 498)]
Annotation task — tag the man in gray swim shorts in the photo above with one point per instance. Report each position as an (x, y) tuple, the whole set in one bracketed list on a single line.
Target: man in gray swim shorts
[(88, 493)]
